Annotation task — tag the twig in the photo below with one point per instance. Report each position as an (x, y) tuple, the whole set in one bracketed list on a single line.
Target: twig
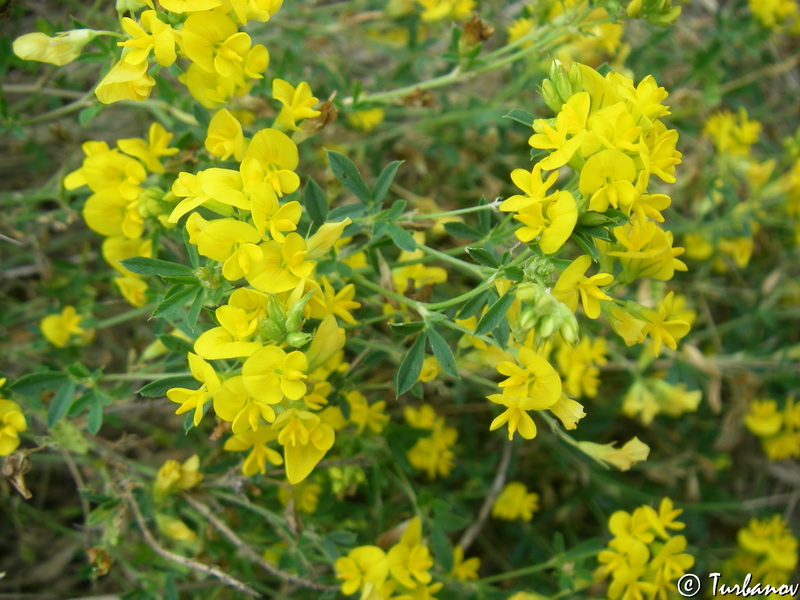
[(497, 485), (250, 553), (212, 570)]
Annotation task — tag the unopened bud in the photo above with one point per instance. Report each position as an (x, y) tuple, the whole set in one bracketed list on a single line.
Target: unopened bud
[(268, 331), (277, 313), (298, 339), (297, 313)]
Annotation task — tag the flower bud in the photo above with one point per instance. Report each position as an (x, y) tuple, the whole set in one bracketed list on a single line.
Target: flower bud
[(268, 331), (297, 313), (277, 313), (60, 49), (297, 339)]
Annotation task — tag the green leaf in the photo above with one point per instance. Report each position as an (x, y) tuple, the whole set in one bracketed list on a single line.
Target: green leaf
[(495, 314), (407, 328), (347, 173), (463, 231), (482, 257), (158, 388), (35, 383), (401, 238), (316, 202), (385, 181), (79, 371), (484, 218), (201, 114), (440, 546), (175, 299), (155, 266), (95, 421), (175, 344), (61, 403), (89, 113), (474, 305), (195, 308), (586, 245), (595, 232), (397, 208), (514, 273), (442, 352), (340, 213), (521, 116), (411, 367)]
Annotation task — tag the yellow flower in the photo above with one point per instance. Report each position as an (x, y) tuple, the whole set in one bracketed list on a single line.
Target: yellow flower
[(410, 560), (59, 50), (623, 458), (224, 137), (573, 283), (363, 567), (305, 440), (570, 121), (662, 325), (175, 528), (296, 103), (196, 399), (366, 120), (763, 418), (209, 89), (12, 423), (234, 404), (125, 81), (464, 570), (732, 135), (59, 328), (554, 219), (175, 477), (647, 251), (514, 502), (149, 152), (305, 496), (182, 6), (364, 414), (531, 183), (256, 441), (153, 35), (257, 10), (568, 411), (608, 179), (430, 369), (271, 157), (270, 375)]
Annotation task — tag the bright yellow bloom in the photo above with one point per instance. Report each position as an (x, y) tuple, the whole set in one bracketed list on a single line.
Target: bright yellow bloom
[(608, 179), (224, 137), (437, 10), (623, 458), (464, 570), (269, 216), (182, 6), (12, 423), (554, 219), (568, 411), (531, 183), (732, 135), (271, 158), (305, 440), (573, 283), (153, 34), (366, 120), (125, 81), (174, 477), (196, 399), (430, 369), (364, 567), (59, 50), (282, 267), (662, 325), (514, 502), (647, 251), (234, 404), (364, 414), (570, 121), (331, 302), (763, 418), (256, 441), (59, 328), (296, 103), (410, 560), (150, 151), (271, 374), (256, 10)]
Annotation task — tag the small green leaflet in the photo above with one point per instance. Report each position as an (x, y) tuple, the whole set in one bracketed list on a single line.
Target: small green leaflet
[(385, 181), (154, 266), (442, 351), (316, 202), (348, 174), (411, 367), (495, 314), (61, 403)]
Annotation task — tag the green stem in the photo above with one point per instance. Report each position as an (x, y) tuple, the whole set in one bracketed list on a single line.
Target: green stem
[(143, 376), (450, 213), (126, 316), (67, 109), (549, 564)]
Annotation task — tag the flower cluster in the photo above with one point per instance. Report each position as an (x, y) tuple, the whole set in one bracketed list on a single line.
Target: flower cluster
[(401, 573), (778, 430), (515, 502), (122, 208), (12, 423), (782, 16), (767, 550), (433, 453), (644, 559), (651, 396), (64, 328), (609, 132)]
